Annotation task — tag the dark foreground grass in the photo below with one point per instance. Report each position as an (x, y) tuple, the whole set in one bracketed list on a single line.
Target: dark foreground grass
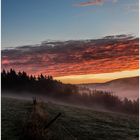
[(74, 123)]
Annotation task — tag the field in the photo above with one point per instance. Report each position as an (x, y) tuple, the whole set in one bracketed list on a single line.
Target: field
[(74, 123)]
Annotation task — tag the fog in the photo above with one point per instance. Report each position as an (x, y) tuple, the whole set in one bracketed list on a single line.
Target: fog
[(29, 97), (126, 87)]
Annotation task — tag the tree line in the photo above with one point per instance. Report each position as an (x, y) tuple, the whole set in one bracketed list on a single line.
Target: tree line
[(21, 82)]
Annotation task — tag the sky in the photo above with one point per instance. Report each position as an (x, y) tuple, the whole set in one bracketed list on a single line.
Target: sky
[(33, 21), (97, 60), (26, 24)]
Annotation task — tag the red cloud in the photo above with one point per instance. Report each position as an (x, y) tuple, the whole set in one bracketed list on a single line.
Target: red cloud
[(5, 62), (75, 57), (89, 3), (93, 2)]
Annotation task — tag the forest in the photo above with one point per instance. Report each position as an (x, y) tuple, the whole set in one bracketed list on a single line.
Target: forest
[(21, 82)]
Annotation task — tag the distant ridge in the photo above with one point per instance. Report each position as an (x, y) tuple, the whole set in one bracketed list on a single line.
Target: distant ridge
[(123, 87)]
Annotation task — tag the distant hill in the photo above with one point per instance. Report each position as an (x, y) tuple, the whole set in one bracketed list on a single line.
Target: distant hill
[(124, 87)]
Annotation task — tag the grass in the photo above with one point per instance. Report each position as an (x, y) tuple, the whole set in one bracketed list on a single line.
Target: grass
[(74, 123)]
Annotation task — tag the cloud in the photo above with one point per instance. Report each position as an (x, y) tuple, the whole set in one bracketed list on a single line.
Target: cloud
[(105, 55), (94, 2), (89, 3)]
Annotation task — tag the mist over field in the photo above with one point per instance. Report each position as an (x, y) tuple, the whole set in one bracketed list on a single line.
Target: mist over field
[(45, 99), (124, 87)]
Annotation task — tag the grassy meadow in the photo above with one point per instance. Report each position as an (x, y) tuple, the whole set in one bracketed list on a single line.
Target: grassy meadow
[(74, 123)]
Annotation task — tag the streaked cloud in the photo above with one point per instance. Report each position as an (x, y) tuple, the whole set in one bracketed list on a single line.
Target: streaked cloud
[(94, 2), (105, 55), (89, 3)]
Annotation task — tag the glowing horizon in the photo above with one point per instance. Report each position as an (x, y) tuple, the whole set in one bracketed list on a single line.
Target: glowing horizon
[(95, 57), (97, 78)]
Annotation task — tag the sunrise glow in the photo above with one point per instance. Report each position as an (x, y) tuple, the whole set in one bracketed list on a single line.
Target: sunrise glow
[(97, 78)]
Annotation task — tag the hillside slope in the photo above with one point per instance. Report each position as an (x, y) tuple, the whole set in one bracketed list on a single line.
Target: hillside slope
[(76, 123), (124, 87)]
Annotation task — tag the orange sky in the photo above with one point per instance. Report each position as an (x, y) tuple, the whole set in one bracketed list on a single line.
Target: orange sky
[(75, 62), (97, 78)]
